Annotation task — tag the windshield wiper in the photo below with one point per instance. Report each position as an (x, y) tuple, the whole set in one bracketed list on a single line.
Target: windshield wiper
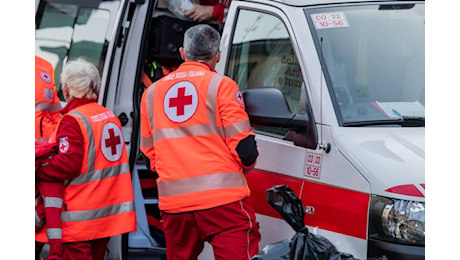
[(413, 121), (405, 121)]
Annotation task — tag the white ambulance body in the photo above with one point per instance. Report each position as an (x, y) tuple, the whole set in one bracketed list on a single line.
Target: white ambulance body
[(335, 93)]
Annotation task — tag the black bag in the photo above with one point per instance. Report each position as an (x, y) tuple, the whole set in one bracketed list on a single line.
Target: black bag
[(166, 37), (303, 245)]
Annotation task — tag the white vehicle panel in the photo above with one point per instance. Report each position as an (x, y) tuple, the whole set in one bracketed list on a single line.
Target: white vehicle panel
[(387, 157), (290, 157)]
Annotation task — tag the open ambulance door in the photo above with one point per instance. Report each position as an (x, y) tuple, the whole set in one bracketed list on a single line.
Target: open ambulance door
[(112, 34)]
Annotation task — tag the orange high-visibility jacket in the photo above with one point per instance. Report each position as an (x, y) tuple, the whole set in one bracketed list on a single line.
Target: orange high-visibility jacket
[(191, 123), (99, 203), (47, 103)]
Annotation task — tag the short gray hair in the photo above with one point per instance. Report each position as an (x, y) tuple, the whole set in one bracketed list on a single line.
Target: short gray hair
[(81, 78), (201, 42)]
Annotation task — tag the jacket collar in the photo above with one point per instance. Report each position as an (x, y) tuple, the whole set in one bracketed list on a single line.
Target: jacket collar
[(74, 103)]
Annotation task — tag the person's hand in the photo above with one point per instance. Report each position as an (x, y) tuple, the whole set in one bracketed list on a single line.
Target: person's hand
[(200, 13)]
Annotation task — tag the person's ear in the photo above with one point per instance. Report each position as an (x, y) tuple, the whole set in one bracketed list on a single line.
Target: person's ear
[(182, 53), (65, 92), (218, 56)]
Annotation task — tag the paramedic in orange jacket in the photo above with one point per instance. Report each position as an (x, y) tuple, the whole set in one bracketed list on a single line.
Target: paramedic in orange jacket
[(98, 198), (197, 135), (47, 103), (47, 106)]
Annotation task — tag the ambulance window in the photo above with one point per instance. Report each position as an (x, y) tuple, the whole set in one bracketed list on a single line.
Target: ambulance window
[(262, 55), (65, 31)]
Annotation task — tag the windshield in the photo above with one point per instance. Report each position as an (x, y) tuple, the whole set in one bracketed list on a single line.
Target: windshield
[(373, 58)]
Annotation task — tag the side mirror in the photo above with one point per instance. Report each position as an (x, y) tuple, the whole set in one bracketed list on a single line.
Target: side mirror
[(267, 107)]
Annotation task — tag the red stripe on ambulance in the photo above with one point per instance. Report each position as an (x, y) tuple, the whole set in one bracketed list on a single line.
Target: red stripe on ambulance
[(408, 189), (335, 209)]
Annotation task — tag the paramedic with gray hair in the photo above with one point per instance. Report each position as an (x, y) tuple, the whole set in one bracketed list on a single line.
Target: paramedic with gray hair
[(196, 134), (98, 200)]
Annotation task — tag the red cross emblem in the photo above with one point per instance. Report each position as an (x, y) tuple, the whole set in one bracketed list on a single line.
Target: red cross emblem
[(64, 144), (112, 142), (180, 101), (239, 97)]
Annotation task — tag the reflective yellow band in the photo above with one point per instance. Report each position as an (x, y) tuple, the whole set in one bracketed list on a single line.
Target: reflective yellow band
[(201, 183), (101, 174), (185, 131), (237, 128), (83, 215), (149, 103), (199, 130), (54, 233), (53, 202), (147, 142)]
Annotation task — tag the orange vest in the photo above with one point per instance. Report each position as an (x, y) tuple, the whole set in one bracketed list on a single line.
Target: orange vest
[(191, 123), (99, 203), (47, 103)]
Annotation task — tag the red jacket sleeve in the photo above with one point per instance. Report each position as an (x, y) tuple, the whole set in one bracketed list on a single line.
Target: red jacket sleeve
[(218, 13), (67, 163)]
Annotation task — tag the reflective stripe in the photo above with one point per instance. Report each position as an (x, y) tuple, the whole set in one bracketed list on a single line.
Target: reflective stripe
[(197, 130), (185, 131), (101, 174), (54, 233), (147, 142), (41, 140), (201, 183), (53, 202), (237, 128), (91, 147), (149, 104), (83, 215), (47, 107), (211, 102)]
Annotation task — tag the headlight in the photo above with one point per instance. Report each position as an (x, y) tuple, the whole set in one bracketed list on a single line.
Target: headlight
[(397, 220)]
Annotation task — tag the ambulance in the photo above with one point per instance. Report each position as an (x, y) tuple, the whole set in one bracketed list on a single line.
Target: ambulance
[(335, 92)]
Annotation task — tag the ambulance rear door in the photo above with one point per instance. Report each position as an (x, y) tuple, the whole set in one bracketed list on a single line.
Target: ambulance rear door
[(112, 35)]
